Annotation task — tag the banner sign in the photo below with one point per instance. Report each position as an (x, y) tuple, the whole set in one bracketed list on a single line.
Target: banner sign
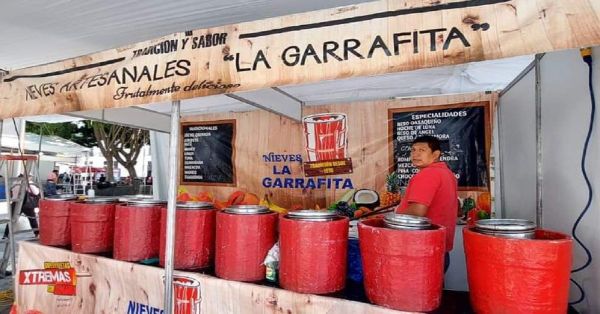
[(463, 133), (358, 40)]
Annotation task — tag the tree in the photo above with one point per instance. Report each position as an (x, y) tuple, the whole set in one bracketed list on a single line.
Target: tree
[(106, 137), (120, 143), (129, 147), (116, 142)]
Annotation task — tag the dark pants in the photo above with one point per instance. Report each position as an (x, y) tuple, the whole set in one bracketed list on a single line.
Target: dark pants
[(30, 213)]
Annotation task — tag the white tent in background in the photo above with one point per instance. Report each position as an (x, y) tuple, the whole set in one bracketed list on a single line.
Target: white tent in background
[(51, 146)]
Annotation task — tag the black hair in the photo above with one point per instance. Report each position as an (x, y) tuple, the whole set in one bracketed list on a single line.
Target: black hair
[(432, 141)]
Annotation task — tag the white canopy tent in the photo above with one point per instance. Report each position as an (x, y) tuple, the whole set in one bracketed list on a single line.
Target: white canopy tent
[(50, 146)]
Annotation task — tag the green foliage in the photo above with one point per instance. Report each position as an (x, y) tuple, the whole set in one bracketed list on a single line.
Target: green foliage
[(79, 132), (392, 182)]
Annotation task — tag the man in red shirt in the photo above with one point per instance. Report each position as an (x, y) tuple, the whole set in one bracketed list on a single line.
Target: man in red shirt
[(432, 192)]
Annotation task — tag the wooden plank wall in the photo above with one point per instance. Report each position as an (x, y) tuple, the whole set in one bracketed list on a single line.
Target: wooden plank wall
[(260, 132), (105, 285)]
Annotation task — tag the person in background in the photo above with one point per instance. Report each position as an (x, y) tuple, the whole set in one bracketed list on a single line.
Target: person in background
[(432, 192), (51, 182), (102, 183), (30, 203)]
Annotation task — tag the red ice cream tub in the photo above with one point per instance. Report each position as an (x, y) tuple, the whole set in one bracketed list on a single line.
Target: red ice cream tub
[(403, 262), (245, 234), (93, 225), (55, 228), (137, 229), (194, 235), (514, 268), (313, 251)]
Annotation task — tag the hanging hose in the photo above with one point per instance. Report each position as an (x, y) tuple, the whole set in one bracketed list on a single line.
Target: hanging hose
[(587, 58)]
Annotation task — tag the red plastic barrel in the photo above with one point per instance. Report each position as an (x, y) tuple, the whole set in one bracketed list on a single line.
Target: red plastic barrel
[(403, 269), (137, 229), (244, 236), (313, 251), (508, 275), (55, 228), (93, 225), (194, 235)]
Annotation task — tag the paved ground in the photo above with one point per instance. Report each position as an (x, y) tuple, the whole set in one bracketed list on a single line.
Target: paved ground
[(6, 284)]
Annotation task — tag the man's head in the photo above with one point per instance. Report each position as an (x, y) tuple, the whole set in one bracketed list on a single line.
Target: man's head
[(425, 151), (55, 171)]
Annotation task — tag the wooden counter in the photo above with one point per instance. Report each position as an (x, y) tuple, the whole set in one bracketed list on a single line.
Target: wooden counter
[(104, 285)]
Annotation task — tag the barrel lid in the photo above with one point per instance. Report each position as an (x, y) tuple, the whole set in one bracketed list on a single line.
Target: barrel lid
[(402, 221), (101, 200), (127, 198), (195, 205), (247, 209), (145, 202), (62, 197), (312, 215), (505, 225)]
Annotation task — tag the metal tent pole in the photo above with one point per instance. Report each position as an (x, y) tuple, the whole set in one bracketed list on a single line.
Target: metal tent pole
[(510, 85), (22, 147), (39, 154), (538, 141), (11, 239), (171, 207), (500, 160)]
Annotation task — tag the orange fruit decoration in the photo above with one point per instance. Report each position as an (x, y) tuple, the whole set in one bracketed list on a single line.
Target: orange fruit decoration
[(242, 198), (484, 202), (220, 205), (184, 197)]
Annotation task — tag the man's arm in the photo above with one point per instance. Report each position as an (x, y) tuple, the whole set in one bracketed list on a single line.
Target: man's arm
[(416, 209)]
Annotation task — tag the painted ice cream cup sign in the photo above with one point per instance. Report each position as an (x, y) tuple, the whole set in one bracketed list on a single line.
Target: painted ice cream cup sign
[(186, 299), (326, 144), (325, 135)]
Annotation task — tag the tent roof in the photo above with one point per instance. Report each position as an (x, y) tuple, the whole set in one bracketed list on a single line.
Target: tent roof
[(37, 32)]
